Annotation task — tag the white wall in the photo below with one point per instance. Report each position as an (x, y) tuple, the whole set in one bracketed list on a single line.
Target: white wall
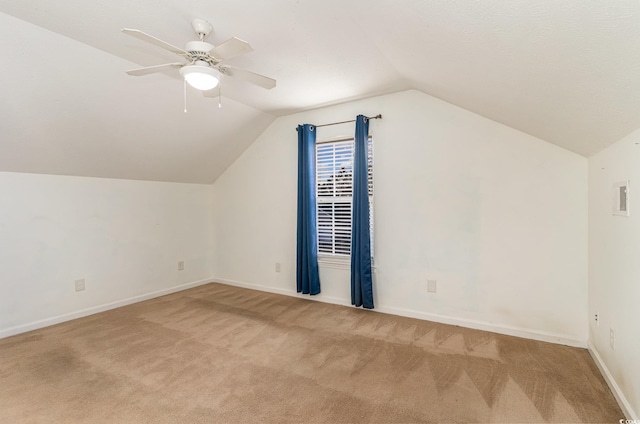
[(614, 268), (123, 237), (497, 217)]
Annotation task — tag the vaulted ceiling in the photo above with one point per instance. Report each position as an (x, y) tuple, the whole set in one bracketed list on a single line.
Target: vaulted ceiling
[(565, 71)]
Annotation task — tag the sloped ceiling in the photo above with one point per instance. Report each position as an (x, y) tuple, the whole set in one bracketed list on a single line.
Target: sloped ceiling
[(564, 71)]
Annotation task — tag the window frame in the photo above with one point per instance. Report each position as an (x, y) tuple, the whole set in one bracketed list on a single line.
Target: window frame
[(341, 260)]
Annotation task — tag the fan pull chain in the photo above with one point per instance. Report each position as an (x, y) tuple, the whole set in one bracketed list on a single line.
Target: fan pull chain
[(185, 96), (220, 97)]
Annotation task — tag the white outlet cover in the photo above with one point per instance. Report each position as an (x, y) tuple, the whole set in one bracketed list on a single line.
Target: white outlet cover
[(612, 338), (621, 198), (432, 286), (79, 285)]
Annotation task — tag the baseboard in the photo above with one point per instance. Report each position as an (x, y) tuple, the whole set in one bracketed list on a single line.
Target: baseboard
[(12, 331), (615, 389), (461, 322)]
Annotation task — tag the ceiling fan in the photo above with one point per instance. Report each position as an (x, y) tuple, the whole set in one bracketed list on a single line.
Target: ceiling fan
[(204, 68)]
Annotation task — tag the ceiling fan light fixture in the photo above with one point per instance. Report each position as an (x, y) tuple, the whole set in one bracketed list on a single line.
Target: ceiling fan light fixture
[(201, 77)]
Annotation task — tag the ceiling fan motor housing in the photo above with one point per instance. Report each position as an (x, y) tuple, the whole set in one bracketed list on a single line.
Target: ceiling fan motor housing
[(198, 47), (199, 50)]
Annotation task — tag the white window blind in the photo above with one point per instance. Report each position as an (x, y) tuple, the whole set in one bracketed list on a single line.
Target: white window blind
[(334, 193)]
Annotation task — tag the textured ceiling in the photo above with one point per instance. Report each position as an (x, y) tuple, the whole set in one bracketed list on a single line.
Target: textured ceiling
[(564, 71)]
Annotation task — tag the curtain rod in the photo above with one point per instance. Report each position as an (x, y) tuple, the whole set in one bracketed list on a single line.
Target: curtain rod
[(378, 116)]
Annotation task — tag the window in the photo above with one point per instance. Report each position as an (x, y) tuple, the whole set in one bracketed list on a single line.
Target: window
[(334, 188)]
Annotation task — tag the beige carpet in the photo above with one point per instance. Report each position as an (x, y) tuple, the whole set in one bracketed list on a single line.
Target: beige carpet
[(218, 354)]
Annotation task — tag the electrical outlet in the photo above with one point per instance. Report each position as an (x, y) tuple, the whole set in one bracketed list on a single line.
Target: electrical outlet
[(277, 266), (612, 338), (80, 285), (432, 286), (597, 318), (180, 265)]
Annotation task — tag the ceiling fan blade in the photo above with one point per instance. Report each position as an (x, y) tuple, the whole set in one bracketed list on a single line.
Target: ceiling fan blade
[(257, 79), (153, 40), (233, 47), (152, 69)]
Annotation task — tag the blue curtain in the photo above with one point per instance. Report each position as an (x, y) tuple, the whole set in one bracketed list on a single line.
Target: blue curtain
[(307, 278), (361, 279)]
